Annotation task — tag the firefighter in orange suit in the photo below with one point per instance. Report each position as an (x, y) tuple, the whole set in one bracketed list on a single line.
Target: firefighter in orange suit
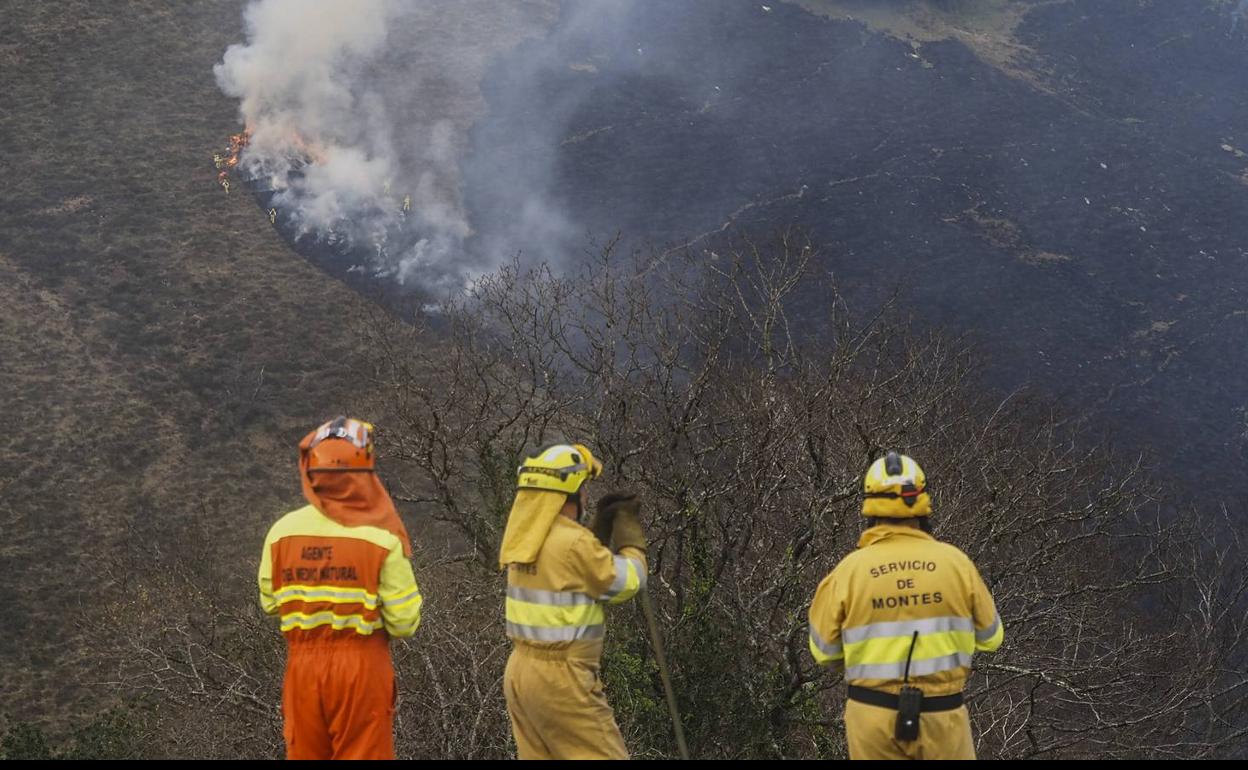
[(902, 616), (337, 573), (560, 575)]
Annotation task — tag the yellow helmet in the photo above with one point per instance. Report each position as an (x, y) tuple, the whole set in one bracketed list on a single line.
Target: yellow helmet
[(560, 468), (895, 487)]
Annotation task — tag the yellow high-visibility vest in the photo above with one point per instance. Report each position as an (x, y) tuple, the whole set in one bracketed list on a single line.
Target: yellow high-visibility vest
[(900, 581)]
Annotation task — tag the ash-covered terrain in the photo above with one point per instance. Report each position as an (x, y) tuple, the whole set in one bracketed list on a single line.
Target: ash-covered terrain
[(1075, 198), (1063, 179)]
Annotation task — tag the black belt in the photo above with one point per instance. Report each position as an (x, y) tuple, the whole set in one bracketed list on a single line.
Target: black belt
[(889, 701)]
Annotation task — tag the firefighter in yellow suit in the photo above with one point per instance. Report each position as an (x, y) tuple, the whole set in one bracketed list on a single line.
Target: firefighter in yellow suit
[(904, 610), (560, 576)]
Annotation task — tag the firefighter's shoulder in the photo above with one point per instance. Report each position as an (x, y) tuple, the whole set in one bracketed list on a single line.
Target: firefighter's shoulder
[(921, 556), (950, 553), (308, 521), (567, 536)]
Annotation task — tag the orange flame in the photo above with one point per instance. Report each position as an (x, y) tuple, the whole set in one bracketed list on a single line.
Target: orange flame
[(307, 151), (238, 142)]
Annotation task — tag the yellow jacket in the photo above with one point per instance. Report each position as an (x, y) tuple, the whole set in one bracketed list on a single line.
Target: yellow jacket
[(329, 581), (899, 581), (556, 602)]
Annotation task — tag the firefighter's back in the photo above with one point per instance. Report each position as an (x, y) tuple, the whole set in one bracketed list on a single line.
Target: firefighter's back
[(902, 583), (341, 592)]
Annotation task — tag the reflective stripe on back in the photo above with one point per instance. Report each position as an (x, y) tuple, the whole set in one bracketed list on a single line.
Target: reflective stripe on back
[(880, 650), (333, 594), (306, 622), (558, 634), (554, 615), (551, 598), (917, 667), (906, 628)]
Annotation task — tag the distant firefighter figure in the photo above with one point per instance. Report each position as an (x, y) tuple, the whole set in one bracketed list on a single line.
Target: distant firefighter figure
[(225, 183), (272, 216), (407, 199)]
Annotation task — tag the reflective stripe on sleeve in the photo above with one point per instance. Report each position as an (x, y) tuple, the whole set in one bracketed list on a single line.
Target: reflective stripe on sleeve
[(402, 600), (989, 632), (824, 652), (407, 629), (630, 577), (990, 638)]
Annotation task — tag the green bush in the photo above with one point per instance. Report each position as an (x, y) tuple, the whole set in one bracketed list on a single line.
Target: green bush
[(110, 735)]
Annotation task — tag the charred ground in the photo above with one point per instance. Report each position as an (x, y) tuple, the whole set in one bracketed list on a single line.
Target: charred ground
[(1064, 179)]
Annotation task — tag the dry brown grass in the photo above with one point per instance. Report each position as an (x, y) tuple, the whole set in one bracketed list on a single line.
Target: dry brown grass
[(162, 349)]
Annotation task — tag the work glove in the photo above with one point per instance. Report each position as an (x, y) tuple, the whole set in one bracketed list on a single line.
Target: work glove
[(619, 511), (604, 514)]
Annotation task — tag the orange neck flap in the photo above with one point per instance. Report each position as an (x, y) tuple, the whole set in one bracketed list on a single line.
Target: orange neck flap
[(353, 499)]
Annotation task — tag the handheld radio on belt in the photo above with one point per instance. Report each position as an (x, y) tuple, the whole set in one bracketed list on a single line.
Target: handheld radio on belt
[(909, 702)]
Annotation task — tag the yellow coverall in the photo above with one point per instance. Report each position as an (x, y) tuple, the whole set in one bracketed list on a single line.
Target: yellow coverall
[(864, 616), (555, 620)]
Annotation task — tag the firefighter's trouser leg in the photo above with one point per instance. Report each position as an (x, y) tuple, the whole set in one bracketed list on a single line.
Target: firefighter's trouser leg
[(338, 700), (558, 708), (942, 734)]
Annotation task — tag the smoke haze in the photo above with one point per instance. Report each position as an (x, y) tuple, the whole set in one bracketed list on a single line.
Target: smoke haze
[(359, 114), (366, 120)]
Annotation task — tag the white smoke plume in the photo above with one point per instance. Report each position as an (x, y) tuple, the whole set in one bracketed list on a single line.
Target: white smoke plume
[(423, 140), (358, 113)]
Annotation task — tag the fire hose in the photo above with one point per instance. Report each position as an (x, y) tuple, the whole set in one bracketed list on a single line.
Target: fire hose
[(656, 641)]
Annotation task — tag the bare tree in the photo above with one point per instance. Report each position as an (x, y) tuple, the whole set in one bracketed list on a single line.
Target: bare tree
[(742, 398), (740, 395)]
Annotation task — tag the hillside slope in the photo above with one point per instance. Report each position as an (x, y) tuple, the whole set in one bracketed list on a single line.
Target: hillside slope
[(162, 350)]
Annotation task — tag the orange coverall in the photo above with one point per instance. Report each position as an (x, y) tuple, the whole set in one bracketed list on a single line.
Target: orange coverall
[(341, 592)]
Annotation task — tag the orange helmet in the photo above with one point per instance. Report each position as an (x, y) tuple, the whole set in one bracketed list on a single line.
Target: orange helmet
[(352, 451)]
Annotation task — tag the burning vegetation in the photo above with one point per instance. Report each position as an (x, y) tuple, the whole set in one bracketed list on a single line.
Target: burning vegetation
[(228, 161)]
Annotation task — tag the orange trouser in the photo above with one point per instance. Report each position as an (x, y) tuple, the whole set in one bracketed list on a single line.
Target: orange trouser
[(338, 699), (942, 734), (558, 708)]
